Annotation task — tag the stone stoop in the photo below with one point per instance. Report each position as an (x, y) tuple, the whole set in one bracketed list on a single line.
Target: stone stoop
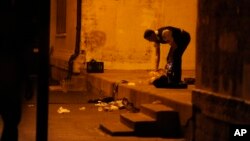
[(143, 125), (77, 83), (152, 120)]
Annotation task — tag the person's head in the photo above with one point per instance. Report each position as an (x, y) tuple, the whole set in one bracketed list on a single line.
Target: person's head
[(150, 35)]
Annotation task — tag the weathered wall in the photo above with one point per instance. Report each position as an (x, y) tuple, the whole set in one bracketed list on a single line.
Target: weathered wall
[(63, 44), (112, 30), (222, 94), (223, 46)]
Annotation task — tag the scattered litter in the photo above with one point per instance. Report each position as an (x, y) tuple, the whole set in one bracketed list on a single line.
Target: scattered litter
[(113, 107), (131, 84), (82, 108), (156, 102), (109, 104), (106, 99), (101, 104), (152, 79), (116, 105), (100, 109), (120, 104), (62, 110), (155, 75)]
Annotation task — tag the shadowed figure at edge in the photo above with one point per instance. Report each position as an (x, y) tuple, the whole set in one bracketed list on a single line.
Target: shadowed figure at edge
[(15, 36), (178, 40)]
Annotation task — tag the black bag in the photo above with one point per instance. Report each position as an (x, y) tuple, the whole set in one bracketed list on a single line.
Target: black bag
[(164, 82), (95, 67), (161, 81)]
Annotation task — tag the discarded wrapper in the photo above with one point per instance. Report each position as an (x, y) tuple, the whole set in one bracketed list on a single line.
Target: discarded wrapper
[(100, 109), (131, 83), (101, 104), (82, 108), (62, 110), (113, 107), (156, 102)]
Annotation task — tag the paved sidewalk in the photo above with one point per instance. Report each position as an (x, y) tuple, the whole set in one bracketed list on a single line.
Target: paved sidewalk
[(77, 125)]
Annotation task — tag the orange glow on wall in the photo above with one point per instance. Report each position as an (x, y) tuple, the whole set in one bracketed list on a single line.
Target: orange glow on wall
[(112, 30)]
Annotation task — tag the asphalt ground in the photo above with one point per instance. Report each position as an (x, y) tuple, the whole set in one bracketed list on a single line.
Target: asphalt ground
[(80, 123)]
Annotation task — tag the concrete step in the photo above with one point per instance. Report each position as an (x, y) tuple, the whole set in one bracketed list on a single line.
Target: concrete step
[(142, 124), (156, 110), (141, 92), (152, 120), (77, 83), (116, 129), (167, 119)]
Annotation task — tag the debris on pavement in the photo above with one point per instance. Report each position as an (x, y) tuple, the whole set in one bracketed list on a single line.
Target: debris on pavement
[(82, 108), (101, 104), (116, 105), (100, 109), (111, 106), (131, 84), (155, 74), (106, 100), (156, 102), (62, 110)]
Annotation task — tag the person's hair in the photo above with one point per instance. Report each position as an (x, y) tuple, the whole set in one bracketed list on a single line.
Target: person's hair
[(148, 33)]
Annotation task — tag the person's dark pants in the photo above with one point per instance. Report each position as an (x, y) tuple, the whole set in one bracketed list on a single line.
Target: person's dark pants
[(10, 111), (174, 74), (10, 104)]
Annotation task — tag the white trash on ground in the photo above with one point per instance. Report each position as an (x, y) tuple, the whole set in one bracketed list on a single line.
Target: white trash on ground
[(62, 110), (131, 83), (82, 108), (111, 106)]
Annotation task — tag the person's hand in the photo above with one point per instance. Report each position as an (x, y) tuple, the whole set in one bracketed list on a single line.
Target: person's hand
[(168, 66)]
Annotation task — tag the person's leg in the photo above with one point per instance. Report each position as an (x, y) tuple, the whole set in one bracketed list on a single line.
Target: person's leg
[(176, 71), (11, 115), (177, 57)]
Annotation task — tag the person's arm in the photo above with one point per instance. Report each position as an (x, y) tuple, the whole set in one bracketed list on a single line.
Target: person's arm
[(157, 55)]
